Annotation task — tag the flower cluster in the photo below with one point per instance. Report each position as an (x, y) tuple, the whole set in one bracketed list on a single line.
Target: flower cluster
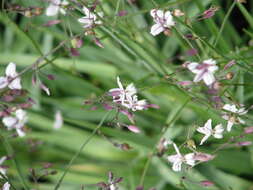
[(13, 117), (127, 97)]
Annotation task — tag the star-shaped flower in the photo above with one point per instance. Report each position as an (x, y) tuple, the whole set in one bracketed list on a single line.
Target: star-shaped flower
[(204, 71), (17, 121), (178, 159), (163, 20), (233, 116), (90, 18), (127, 97), (11, 78), (208, 131)]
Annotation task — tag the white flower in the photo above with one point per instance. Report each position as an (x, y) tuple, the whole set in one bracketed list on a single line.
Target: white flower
[(232, 117), (204, 71), (136, 104), (208, 131), (58, 121), (163, 20), (178, 159), (11, 78), (6, 186), (90, 19), (2, 168), (55, 7), (16, 122), (127, 97)]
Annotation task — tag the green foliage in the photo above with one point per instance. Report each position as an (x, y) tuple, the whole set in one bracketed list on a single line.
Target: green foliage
[(133, 54)]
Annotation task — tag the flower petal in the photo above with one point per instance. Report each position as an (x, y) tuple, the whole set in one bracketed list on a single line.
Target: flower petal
[(11, 70), (156, 29)]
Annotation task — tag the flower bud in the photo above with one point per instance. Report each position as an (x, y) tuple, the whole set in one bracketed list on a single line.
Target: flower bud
[(248, 130), (206, 183), (178, 13), (167, 32), (229, 75), (133, 128)]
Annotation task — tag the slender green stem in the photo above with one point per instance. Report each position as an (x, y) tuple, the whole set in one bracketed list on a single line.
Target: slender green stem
[(80, 150), (163, 131), (10, 151), (223, 23)]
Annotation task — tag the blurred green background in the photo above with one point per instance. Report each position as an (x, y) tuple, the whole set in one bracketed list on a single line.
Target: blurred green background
[(133, 54)]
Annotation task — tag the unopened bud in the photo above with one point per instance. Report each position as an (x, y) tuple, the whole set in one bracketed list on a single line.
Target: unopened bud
[(178, 13), (229, 75), (167, 32), (28, 13), (248, 130), (206, 183), (191, 143)]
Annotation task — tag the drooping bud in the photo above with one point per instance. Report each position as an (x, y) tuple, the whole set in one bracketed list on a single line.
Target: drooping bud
[(206, 183), (248, 130), (133, 128), (244, 143), (203, 157), (51, 23), (229, 75)]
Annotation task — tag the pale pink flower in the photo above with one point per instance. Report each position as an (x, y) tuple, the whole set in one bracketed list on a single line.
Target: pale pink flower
[(178, 159), (6, 186), (204, 71), (17, 121), (163, 20), (11, 78), (208, 131), (55, 7), (233, 115), (90, 18), (127, 97)]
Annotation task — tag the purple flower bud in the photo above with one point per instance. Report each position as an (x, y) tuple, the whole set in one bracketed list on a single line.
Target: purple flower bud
[(245, 143), (74, 52), (47, 165), (118, 180), (25, 105), (206, 183), (50, 77), (140, 188), (122, 13), (192, 52), (34, 80), (133, 128), (185, 83), (93, 108), (8, 98), (107, 107), (151, 106), (114, 93), (248, 130), (209, 13), (203, 157), (45, 88), (230, 64), (128, 114), (98, 42), (51, 23)]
